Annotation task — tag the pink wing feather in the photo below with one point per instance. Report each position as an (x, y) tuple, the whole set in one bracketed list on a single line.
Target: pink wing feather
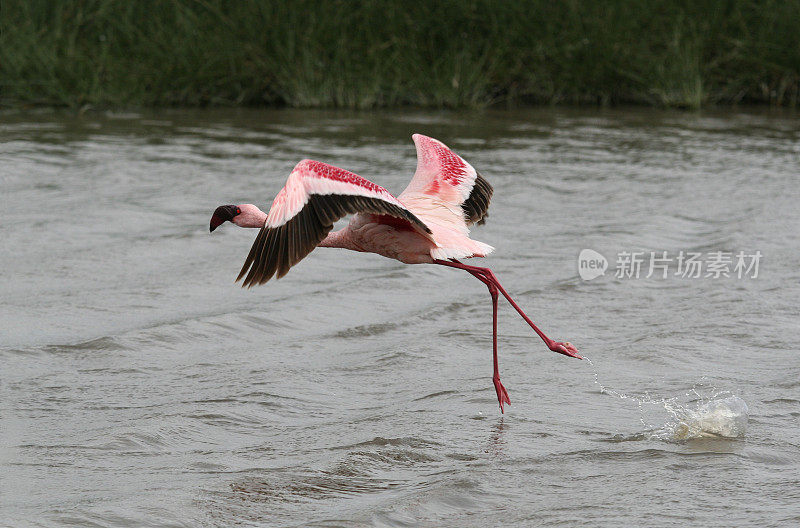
[(448, 194), (314, 177), (441, 173)]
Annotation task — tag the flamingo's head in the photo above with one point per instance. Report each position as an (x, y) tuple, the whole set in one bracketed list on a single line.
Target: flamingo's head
[(224, 213), (243, 215)]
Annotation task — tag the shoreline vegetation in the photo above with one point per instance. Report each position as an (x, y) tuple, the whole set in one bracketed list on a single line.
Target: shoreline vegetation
[(368, 54)]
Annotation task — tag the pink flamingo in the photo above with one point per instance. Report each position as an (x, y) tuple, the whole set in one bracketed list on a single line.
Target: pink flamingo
[(426, 224)]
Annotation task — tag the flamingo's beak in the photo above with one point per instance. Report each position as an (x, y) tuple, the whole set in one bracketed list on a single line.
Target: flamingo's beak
[(222, 214)]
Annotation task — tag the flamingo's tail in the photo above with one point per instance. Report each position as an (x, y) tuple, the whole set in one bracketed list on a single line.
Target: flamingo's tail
[(478, 249)]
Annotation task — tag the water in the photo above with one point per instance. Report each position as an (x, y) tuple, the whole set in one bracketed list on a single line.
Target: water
[(141, 387)]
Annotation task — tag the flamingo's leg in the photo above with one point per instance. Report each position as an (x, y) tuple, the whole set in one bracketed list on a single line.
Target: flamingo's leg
[(502, 393), (562, 348)]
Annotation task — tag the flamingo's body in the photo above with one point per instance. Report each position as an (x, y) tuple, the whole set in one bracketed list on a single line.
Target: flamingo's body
[(428, 223)]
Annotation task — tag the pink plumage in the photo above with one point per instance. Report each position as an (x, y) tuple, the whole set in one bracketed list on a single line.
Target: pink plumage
[(441, 173), (428, 223), (314, 177), (443, 182)]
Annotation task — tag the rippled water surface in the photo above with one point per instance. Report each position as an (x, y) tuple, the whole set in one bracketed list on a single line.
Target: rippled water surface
[(141, 387)]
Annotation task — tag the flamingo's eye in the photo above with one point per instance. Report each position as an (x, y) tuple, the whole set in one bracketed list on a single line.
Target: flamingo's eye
[(238, 211)]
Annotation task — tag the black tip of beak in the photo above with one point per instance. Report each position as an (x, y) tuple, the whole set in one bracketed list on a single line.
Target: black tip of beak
[(222, 214)]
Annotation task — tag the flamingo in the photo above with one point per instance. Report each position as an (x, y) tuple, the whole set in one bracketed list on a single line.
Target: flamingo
[(428, 223)]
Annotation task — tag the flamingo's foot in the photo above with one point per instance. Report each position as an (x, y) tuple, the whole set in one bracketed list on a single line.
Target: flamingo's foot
[(502, 393), (566, 348)]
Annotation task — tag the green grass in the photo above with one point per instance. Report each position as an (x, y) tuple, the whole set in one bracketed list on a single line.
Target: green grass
[(363, 54)]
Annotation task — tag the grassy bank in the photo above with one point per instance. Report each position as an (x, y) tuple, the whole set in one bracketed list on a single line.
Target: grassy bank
[(386, 53)]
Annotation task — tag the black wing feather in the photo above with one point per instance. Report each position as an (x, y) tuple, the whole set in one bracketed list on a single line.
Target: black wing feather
[(476, 206)]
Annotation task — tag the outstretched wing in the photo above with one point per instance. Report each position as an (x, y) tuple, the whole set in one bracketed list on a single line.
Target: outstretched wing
[(445, 176), (315, 196)]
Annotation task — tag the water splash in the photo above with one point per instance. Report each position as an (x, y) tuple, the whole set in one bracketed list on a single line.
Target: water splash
[(699, 412), (724, 417)]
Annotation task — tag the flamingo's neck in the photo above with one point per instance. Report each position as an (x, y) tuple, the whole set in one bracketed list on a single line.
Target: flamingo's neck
[(340, 239), (251, 216), (260, 218)]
